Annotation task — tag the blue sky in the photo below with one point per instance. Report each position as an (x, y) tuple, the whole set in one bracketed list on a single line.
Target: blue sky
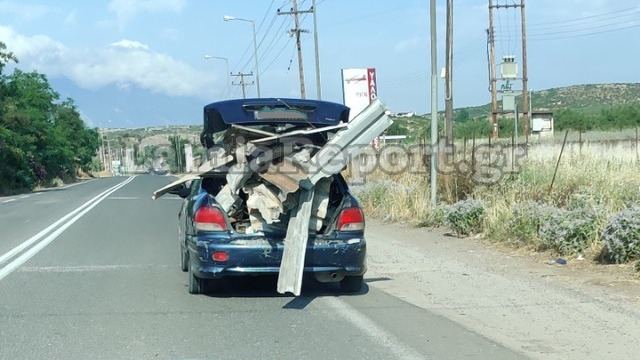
[(131, 63)]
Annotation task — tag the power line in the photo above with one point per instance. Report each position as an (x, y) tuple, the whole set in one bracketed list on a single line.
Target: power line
[(248, 48), (584, 17), (286, 43), (279, 53), (297, 32), (578, 32), (608, 19), (275, 39), (587, 34)]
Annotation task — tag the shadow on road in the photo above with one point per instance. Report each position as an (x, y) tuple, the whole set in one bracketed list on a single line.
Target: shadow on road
[(265, 286)]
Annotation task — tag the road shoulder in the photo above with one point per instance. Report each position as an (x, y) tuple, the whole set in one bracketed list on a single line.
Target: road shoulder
[(543, 311)]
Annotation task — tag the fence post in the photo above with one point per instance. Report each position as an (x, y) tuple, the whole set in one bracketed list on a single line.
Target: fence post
[(464, 149), (566, 134), (513, 152), (580, 141), (637, 146), (473, 153)]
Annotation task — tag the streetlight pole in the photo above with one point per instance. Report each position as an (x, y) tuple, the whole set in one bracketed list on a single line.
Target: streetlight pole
[(255, 47), (226, 61)]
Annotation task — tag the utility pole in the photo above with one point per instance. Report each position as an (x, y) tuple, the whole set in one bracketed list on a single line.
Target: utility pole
[(434, 104), (525, 76), (492, 66), (491, 39), (255, 46), (449, 78), (317, 51), (242, 82), (296, 31)]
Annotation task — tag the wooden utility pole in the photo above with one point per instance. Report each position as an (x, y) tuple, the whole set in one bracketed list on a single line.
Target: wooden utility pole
[(493, 79), (296, 31), (242, 82), (525, 77), (449, 77)]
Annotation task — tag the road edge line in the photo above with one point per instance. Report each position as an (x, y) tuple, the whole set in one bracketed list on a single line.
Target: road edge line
[(13, 252)]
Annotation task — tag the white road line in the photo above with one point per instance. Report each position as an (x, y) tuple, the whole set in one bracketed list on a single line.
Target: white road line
[(42, 233), (371, 329), (12, 266), (124, 198), (8, 201), (88, 268), (24, 196)]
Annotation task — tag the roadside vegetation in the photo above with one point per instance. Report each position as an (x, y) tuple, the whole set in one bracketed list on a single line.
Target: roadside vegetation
[(608, 118), (592, 211), (42, 138)]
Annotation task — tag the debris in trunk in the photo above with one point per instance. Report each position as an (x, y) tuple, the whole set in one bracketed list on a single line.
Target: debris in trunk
[(265, 199), (279, 167)]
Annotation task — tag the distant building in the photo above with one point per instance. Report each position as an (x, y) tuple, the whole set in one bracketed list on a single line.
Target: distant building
[(403, 114), (392, 139)]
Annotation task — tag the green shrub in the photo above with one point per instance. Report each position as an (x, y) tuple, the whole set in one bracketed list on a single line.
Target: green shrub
[(568, 231), (466, 217), (621, 236), (435, 218), (526, 222)]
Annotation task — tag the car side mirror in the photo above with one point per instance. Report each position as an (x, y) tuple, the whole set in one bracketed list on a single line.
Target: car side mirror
[(183, 191)]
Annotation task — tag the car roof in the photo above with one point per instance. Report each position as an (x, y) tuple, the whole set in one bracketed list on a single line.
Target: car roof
[(221, 115)]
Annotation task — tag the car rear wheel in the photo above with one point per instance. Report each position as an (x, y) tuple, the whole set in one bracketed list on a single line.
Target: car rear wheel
[(352, 284), (184, 264), (196, 285)]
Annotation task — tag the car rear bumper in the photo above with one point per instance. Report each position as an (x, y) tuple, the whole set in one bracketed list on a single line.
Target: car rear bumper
[(328, 260)]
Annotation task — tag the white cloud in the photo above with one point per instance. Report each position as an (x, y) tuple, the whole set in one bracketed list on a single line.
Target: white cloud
[(129, 44), (126, 10), (22, 11), (124, 64), (40, 47)]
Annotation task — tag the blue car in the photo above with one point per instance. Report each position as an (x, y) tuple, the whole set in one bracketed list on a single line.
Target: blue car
[(215, 243)]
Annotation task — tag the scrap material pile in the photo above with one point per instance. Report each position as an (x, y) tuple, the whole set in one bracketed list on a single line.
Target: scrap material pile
[(278, 178)]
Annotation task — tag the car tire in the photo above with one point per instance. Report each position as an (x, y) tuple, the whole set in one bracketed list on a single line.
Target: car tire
[(352, 284), (184, 263), (196, 285)]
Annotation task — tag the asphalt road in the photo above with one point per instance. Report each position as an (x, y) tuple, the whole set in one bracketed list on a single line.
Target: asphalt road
[(104, 283)]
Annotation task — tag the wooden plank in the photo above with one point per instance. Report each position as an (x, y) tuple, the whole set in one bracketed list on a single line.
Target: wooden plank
[(285, 175), (300, 133), (295, 245), (174, 185), (253, 130)]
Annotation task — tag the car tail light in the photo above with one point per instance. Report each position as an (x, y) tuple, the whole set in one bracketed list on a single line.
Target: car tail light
[(210, 219), (220, 256), (351, 219)]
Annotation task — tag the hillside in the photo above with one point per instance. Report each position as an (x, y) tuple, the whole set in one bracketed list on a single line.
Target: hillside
[(585, 98)]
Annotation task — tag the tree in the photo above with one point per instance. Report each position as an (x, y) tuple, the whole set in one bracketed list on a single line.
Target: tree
[(6, 56), (462, 116), (40, 138)]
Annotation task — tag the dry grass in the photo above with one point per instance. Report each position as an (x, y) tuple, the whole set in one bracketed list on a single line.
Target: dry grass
[(592, 181)]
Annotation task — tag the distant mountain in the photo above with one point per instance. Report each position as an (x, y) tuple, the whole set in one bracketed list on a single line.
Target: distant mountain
[(586, 98)]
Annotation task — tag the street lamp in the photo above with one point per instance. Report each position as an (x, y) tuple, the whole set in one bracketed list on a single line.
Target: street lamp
[(226, 61), (255, 46)]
